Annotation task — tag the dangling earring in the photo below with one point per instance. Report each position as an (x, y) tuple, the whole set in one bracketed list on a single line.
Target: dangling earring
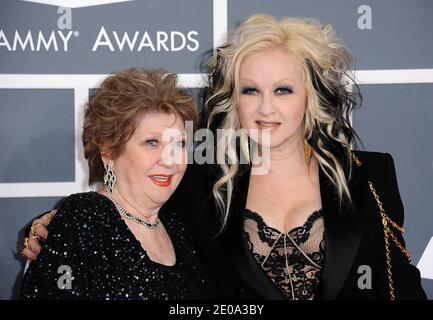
[(308, 152), (109, 178)]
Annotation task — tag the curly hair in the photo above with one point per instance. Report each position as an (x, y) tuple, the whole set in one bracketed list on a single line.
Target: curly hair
[(331, 95), (113, 113)]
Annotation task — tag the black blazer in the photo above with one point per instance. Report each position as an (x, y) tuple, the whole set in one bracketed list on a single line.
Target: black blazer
[(352, 238)]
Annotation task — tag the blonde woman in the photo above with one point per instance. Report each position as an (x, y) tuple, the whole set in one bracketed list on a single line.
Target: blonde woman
[(323, 222), (311, 227)]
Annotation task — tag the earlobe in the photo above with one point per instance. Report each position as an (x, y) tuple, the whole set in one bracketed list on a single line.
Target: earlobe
[(105, 157), (105, 161)]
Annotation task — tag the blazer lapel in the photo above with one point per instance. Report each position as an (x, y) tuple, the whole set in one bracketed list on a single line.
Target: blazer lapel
[(342, 233), (235, 241)]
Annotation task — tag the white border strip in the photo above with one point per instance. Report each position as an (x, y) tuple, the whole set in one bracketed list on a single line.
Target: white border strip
[(43, 189), (220, 17), (425, 264), (400, 76), (71, 81), (74, 4)]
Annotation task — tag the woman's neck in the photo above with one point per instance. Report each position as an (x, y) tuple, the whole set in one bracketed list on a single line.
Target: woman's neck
[(286, 159), (136, 205)]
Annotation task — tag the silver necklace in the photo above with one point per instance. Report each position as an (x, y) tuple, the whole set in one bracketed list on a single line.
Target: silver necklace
[(130, 216)]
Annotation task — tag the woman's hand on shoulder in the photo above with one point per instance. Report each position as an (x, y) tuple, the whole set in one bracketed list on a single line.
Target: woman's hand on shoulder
[(38, 230)]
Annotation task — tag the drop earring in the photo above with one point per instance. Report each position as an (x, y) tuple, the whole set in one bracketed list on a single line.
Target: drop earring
[(109, 178)]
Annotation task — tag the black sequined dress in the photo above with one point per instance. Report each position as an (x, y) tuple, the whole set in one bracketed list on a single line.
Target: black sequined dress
[(89, 239)]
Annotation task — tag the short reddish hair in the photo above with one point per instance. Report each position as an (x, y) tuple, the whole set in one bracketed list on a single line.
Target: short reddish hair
[(112, 114)]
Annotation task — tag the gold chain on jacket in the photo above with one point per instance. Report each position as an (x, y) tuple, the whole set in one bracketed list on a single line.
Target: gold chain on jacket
[(387, 232)]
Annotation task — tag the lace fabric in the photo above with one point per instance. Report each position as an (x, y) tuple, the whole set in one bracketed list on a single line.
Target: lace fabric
[(292, 260)]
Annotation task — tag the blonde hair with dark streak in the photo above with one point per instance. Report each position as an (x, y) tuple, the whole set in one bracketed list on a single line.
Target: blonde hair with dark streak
[(113, 113), (324, 62)]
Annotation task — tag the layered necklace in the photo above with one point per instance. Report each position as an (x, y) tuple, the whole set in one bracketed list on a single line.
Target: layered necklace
[(130, 216)]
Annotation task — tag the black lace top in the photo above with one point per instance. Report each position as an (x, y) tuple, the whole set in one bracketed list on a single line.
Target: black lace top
[(89, 238), (293, 261)]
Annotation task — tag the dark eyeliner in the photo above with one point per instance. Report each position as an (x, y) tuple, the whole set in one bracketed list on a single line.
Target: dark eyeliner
[(284, 89), (248, 90)]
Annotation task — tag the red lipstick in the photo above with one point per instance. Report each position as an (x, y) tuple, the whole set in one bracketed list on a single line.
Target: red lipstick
[(161, 180)]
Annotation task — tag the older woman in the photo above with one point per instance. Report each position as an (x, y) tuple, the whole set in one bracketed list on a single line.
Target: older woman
[(118, 243), (322, 222)]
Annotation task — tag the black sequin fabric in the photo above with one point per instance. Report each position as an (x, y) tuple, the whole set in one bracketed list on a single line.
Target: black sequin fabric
[(89, 238)]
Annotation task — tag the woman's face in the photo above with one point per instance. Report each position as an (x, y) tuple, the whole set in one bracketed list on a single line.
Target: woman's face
[(272, 96), (154, 160)]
